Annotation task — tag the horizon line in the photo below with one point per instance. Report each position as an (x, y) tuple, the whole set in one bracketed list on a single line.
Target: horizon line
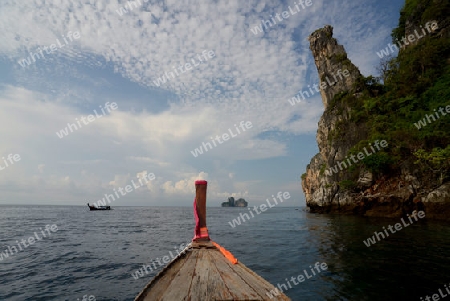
[(187, 206)]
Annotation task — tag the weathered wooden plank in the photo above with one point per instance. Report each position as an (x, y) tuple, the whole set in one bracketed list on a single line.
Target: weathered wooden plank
[(202, 244), (237, 288), (260, 285), (208, 283), (216, 283), (158, 286), (180, 285), (199, 287), (205, 273)]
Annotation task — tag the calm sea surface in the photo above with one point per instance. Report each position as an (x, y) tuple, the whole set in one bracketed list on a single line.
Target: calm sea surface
[(94, 253)]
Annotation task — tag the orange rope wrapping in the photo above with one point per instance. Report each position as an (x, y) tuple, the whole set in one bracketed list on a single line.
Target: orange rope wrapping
[(226, 253)]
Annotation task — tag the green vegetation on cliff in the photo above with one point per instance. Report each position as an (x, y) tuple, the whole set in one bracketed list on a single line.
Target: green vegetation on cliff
[(421, 11), (409, 108)]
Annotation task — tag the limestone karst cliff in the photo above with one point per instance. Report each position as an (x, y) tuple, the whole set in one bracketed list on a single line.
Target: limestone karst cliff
[(331, 59), (235, 203), (352, 173)]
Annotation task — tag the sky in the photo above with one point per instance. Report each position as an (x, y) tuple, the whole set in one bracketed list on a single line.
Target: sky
[(61, 61)]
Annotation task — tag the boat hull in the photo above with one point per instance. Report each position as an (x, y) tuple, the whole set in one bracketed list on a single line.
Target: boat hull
[(93, 208), (201, 272)]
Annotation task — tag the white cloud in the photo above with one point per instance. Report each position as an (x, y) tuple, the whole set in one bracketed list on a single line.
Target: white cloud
[(169, 137), (250, 78)]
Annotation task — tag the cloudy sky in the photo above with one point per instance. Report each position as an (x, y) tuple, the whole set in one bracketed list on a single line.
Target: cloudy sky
[(99, 52)]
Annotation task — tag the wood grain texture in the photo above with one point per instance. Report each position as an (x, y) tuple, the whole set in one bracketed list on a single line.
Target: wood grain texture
[(180, 285), (258, 283), (205, 274), (199, 285), (157, 287), (237, 287), (216, 285)]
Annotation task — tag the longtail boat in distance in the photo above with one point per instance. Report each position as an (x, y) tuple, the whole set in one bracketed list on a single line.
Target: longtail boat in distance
[(206, 271), (91, 208)]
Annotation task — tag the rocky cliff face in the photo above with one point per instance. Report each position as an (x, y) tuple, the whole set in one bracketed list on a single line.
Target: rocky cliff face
[(331, 62), (327, 190), (322, 191)]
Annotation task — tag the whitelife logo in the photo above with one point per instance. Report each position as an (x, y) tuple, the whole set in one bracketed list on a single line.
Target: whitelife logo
[(11, 158), (423, 122), (360, 155), (285, 14), (436, 297), (30, 240), (86, 120), (323, 85), (123, 10), (166, 76), (430, 26), (281, 196), (165, 260), (371, 240), (110, 198), (224, 136), (282, 287), (32, 57)]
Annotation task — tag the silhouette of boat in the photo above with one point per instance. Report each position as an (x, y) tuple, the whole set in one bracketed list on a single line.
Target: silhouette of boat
[(91, 208)]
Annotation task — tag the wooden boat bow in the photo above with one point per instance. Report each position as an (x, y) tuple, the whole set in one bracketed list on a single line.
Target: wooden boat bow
[(205, 270)]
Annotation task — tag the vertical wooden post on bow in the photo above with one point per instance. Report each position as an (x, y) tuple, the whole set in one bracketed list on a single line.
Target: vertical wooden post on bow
[(201, 231)]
